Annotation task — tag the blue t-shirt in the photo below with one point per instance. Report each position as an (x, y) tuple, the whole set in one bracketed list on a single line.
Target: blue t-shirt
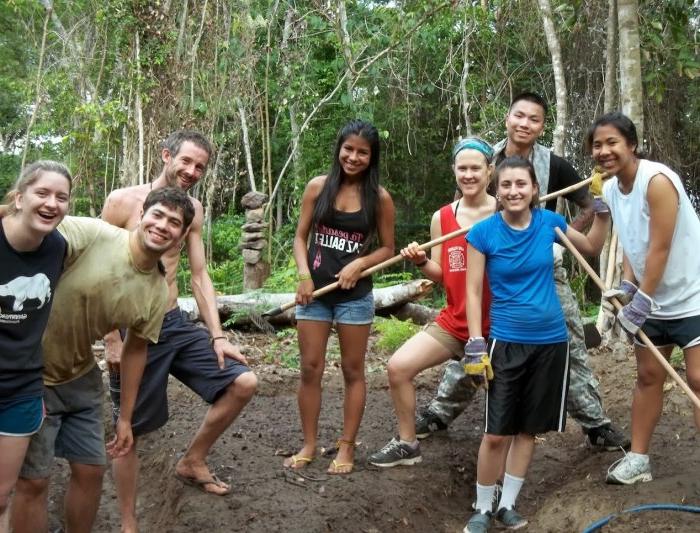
[(520, 267)]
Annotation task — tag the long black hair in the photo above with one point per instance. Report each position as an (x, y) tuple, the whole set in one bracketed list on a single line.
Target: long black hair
[(323, 210)]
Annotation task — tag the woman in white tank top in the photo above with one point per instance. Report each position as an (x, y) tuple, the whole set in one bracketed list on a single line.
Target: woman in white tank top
[(659, 231)]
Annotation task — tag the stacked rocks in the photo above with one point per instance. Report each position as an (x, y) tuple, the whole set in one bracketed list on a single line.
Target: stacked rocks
[(253, 241)]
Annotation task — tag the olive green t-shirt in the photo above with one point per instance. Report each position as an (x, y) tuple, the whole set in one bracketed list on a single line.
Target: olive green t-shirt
[(100, 290)]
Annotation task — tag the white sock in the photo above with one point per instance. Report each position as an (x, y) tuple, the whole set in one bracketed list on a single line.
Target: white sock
[(642, 456), (511, 489), (484, 497), (413, 444)]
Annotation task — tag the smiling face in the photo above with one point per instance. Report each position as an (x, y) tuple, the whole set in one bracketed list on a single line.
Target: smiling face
[(471, 172), (354, 156), (516, 189), (161, 227), (524, 122), (612, 151), (185, 168), (43, 203)]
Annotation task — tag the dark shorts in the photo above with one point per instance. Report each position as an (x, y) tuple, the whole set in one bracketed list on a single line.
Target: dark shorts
[(682, 332), (183, 350), (21, 417), (73, 427), (529, 388)]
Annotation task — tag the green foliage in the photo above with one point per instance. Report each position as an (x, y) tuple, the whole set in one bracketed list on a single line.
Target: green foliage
[(393, 332), (284, 351), (677, 358)]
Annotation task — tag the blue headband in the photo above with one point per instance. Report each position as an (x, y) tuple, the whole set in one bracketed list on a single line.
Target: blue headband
[(473, 143)]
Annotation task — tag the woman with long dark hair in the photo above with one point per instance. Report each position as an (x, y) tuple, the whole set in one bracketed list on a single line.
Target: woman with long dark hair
[(659, 231), (341, 213), (31, 261)]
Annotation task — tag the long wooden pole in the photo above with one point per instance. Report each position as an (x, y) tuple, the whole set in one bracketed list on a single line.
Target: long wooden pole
[(642, 336), (425, 246)]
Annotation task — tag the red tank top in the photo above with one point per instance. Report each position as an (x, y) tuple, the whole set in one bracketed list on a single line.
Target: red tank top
[(453, 260)]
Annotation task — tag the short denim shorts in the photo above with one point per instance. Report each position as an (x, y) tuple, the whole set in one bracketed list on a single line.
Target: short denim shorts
[(353, 312)]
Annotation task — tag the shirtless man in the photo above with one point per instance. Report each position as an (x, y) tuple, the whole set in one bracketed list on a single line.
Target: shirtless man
[(204, 361), (111, 278)]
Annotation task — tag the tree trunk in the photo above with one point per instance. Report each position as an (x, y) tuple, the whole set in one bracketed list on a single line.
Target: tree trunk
[(559, 79), (631, 93), (243, 306), (611, 91)]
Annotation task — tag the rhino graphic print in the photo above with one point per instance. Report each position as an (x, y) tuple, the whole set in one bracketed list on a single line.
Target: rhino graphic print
[(24, 288)]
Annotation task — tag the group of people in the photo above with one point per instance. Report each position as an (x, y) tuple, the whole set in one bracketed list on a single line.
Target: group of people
[(73, 280), (507, 270)]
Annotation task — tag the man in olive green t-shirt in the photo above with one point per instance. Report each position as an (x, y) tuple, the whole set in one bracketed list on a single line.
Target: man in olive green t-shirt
[(112, 278)]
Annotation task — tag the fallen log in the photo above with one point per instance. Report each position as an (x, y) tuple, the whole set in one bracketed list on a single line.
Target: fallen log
[(237, 309)]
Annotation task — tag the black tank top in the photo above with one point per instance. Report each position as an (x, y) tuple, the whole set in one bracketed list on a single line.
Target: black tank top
[(333, 245)]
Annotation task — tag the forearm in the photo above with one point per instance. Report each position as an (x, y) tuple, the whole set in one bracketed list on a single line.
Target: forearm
[(377, 256), (132, 365), (654, 268), (432, 270), (301, 255), (205, 296)]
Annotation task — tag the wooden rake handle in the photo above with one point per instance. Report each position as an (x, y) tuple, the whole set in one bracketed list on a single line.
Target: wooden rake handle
[(425, 246), (643, 336)]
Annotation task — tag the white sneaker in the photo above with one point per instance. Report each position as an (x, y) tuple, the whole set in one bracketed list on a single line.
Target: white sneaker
[(630, 469)]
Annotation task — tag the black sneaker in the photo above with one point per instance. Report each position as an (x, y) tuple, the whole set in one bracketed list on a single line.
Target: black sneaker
[(427, 423), (608, 438), (396, 453)]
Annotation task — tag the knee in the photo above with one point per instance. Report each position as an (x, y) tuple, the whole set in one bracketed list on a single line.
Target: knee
[(693, 381), (353, 372), (398, 374), (495, 442), (245, 386), (32, 488), (87, 475), (647, 378), (311, 372)]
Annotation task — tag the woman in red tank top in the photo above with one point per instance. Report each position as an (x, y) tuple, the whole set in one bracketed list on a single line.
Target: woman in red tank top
[(444, 338)]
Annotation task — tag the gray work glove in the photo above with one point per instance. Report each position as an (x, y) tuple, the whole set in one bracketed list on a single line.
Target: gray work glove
[(624, 292), (634, 314)]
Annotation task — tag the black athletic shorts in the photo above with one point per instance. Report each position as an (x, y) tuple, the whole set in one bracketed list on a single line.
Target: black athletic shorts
[(683, 332), (529, 388)]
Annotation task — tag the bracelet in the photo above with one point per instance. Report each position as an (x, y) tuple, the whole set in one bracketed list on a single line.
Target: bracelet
[(422, 263), (303, 277), (214, 339)]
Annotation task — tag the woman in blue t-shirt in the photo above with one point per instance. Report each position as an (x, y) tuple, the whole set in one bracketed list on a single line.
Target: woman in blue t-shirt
[(31, 259), (528, 340), (340, 214)]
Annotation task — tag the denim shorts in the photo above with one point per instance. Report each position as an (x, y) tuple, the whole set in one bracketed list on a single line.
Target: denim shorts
[(353, 312)]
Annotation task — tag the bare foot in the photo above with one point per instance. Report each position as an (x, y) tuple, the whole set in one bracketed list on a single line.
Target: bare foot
[(198, 475), (301, 459)]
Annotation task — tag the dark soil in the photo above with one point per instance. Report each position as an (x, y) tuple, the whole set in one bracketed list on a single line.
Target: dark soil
[(564, 491)]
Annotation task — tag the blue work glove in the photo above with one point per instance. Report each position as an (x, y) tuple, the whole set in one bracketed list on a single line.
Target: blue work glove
[(624, 292), (634, 314), (476, 362)]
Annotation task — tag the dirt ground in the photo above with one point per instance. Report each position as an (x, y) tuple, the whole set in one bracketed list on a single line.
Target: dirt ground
[(564, 491)]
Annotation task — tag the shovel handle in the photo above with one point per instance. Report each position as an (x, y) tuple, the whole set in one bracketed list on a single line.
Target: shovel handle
[(642, 336)]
